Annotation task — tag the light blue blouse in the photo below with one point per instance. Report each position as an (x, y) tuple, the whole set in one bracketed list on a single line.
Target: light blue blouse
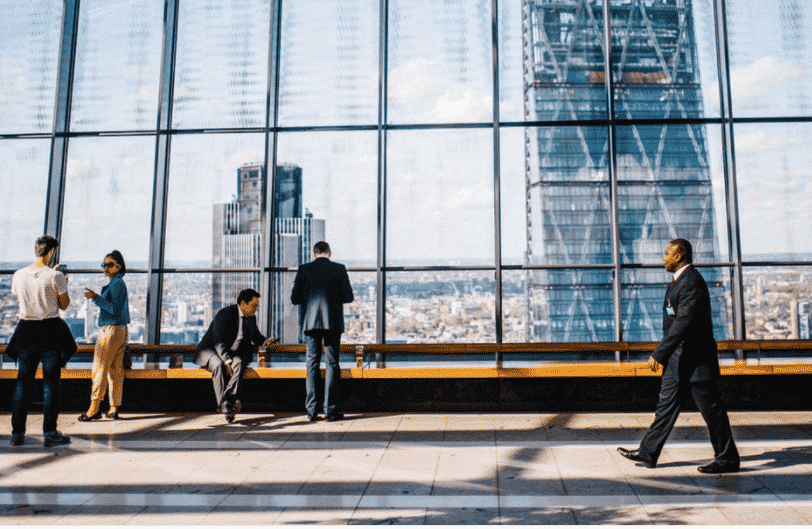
[(115, 309)]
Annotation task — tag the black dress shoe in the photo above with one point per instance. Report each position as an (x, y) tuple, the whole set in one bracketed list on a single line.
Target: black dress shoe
[(313, 418), (113, 416), (55, 438), (716, 467), (226, 409), (635, 456), (87, 418), (335, 417)]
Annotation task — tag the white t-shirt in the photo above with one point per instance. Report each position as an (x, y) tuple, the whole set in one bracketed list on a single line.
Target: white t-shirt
[(37, 289)]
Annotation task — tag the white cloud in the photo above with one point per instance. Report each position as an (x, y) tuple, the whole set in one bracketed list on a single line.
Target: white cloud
[(237, 159), (470, 198), (83, 169), (761, 142), (460, 104), (425, 84), (414, 80), (764, 77)]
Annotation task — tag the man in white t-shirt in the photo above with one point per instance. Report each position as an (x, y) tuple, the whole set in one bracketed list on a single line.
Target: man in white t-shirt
[(41, 336)]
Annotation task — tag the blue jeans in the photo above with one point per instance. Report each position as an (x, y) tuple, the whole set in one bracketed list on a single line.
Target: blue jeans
[(27, 364), (332, 347)]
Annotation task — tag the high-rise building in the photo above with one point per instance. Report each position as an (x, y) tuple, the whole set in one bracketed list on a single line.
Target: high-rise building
[(664, 184), (237, 242), (804, 309), (294, 238)]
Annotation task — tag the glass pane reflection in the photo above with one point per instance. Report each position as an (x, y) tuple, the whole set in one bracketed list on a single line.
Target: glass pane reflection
[(665, 191), (778, 302), (657, 60), (511, 65), (337, 194), (440, 307), (108, 200), (334, 82), (214, 188), (221, 76), (22, 199), (116, 87), (564, 66), (9, 310), (516, 225), (769, 43), (186, 311), (515, 306), (440, 62), (440, 197), (359, 316), (29, 52), (774, 180), (570, 306)]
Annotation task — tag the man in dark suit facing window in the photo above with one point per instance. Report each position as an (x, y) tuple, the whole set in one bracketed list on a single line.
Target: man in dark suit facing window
[(690, 363), (228, 345), (320, 289)]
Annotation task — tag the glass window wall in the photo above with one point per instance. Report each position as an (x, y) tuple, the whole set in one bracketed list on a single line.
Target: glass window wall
[(391, 158)]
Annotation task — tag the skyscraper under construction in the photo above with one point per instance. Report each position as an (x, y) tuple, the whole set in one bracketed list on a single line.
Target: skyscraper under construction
[(662, 179)]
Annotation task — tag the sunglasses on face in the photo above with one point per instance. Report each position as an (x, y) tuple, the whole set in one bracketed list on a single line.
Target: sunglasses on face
[(109, 265)]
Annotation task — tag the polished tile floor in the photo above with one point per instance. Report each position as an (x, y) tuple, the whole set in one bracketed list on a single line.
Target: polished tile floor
[(401, 468)]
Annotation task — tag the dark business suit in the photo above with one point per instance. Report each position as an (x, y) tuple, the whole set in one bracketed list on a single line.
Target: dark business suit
[(690, 362), (320, 289), (214, 351)]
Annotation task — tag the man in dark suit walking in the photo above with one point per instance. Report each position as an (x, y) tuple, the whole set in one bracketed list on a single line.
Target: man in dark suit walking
[(229, 345), (690, 363), (320, 289)]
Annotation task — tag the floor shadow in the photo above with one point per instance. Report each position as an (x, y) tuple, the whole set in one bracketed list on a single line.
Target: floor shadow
[(784, 458)]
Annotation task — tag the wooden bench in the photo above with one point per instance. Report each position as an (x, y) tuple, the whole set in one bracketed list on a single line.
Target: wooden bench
[(366, 368)]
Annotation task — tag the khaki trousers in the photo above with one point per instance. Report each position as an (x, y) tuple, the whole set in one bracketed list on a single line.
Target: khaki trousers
[(108, 364)]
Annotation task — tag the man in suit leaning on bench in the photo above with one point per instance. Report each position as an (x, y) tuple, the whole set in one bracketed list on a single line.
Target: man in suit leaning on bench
[(229, 345), (688, 355)]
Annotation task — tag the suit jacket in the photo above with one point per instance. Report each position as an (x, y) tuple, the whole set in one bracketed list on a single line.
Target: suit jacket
[(320, 289), (688, 348), (223, 331)]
